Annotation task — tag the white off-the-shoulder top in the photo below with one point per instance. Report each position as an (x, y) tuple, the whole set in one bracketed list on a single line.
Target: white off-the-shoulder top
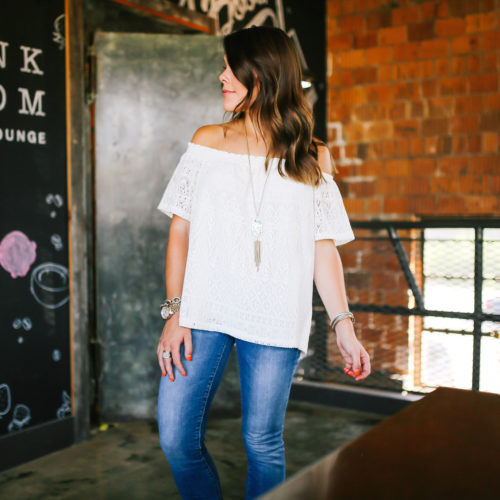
[(222, 288)]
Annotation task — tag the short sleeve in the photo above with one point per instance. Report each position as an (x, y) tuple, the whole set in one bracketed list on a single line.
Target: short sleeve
[(330, 216), (179, 193)]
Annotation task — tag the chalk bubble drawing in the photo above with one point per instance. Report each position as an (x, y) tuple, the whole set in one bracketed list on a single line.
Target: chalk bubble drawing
[(65, 409), (20, 418), (56, 240), (57, 34), (56, 355), (49, 285), (5, 400), (56, 200), (24, 323), (17, 253)]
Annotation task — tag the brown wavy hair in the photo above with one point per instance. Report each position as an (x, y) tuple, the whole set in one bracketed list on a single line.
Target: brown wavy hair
[(265, 57)]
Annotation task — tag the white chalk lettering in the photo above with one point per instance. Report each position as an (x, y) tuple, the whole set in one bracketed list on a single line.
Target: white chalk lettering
[(3, 98), (23, 136), (30, 107), (3, 56), (29, 54)]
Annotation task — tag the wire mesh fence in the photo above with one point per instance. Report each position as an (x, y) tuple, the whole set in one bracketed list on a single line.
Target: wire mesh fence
[(426, 297)]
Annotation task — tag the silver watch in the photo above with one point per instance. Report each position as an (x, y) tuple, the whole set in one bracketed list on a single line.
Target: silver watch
[(169, 307)]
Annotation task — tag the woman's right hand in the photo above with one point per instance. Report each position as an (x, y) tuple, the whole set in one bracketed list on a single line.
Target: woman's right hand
[(171, 339)]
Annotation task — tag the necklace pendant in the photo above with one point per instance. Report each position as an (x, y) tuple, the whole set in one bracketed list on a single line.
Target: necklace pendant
[(257, 228), (257, 253)]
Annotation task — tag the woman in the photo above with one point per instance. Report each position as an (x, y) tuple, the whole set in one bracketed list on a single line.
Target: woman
[(256, 216)]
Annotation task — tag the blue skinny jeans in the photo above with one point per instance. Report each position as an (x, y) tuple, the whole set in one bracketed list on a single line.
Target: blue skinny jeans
[(265, 380)]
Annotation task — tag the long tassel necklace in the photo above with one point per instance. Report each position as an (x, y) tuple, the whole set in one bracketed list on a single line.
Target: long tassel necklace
[(257, 223)]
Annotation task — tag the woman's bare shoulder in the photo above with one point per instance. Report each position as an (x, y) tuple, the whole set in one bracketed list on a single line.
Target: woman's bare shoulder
[(210, 135), (325, 159)]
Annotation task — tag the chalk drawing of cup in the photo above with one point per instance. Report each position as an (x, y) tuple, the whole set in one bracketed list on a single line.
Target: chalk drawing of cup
[(20, 418), (17, 253), (49, 285)]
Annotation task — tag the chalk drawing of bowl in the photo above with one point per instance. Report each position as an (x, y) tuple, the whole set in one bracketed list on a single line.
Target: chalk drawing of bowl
[(49, 285)]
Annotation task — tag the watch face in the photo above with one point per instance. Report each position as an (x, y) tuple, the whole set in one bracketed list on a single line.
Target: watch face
[(165, 312)]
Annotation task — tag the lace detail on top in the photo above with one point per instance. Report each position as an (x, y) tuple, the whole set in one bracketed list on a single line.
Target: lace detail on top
[(330, 217), (222, 290)]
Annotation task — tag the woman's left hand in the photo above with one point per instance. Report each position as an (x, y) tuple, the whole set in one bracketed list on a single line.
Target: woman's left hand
[(357, 360)]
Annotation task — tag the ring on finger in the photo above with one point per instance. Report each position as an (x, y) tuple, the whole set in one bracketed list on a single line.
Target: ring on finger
[(166, 354)]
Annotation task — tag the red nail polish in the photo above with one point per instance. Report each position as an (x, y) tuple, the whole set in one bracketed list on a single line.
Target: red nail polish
[(350, 373), (188, 358), (163, 373), (183, 374), (171, 379), (356, 372)]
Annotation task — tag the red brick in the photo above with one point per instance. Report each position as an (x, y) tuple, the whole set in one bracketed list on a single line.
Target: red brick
[(379, 130), (395, 204), (450, 205), (365, 40), (430, 145), (354, 205), (378, 19), (473, 184), (348, 6), (429, 88), (434, 48), (417, 109), (450, 27), (397, 111), (362, 188), (422, 204), (491, 41), (407, 52), (480, 22), (459, 65), (332, 9), (420, 31), (445, 185), (452, 166), (388, 149), (490, 61), (464, 44), (426, 68), (444, 144), (474, 143), (408, 71), (464, 124), (387, 72), (378, 55), (352, 59), (354, 22), (490, 122), (392, 186), (469, 104), (453, 86), (416, 146), (423, 166), (483, 83), (397, 168), (464, 7), (417, 185), (490, 142), (405, 15), (492, 102), (373, 206), (494, 184), (392, 35), (473, 63), (402, 148), (442, 67), (371, 168), (428, 10), (485, 165), (340, 42), (480, 204), (460, 144), (440, 107), (379, 93), (406, 90)]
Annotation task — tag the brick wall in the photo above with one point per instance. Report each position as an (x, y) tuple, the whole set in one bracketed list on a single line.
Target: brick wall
[(414, 106)]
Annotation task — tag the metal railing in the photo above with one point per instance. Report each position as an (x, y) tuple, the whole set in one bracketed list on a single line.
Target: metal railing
[(426, 296)]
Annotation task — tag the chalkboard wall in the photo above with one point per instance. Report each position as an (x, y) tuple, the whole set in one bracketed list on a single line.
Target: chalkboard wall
[(35, 385)]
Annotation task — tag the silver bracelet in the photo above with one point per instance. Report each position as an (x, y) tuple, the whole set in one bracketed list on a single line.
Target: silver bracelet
[(340, 317)]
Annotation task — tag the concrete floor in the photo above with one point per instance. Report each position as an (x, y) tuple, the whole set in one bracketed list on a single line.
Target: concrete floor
[(126, 462)]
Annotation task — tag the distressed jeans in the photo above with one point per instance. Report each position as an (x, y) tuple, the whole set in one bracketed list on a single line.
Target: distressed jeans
[(265, 379)]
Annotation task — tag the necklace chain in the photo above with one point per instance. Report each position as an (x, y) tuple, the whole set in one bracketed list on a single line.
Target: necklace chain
[(257, 211)]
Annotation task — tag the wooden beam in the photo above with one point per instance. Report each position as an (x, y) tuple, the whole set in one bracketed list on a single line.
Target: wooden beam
[(172, 14)]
